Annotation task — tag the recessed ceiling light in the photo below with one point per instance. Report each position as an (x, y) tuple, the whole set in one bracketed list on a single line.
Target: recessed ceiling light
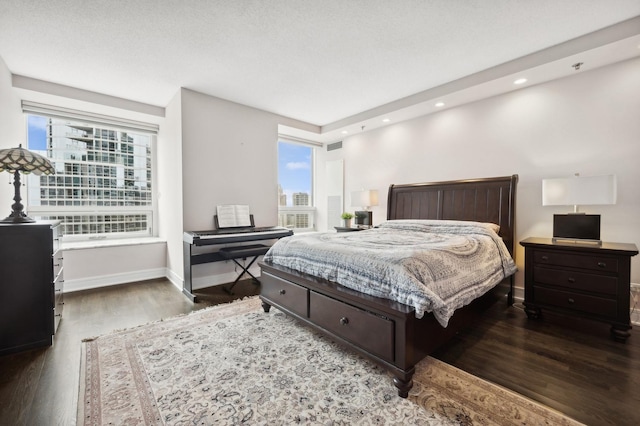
[(520, 81), (440, 104), (344, 132), (386, 120)]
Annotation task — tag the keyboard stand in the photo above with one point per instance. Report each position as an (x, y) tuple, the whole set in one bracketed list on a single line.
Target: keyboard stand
[(193, 240), (243, 252)]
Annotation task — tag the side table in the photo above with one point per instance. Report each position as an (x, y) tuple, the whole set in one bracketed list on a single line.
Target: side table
[(582, 279)]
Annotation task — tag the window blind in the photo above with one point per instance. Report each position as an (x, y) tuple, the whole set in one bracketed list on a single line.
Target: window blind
[(53, 111), (294, 139)]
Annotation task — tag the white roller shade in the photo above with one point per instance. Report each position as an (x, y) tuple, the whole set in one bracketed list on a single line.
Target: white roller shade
[(88, 117)]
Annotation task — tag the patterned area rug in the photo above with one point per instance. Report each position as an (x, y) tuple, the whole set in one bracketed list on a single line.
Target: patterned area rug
[(234, 364)]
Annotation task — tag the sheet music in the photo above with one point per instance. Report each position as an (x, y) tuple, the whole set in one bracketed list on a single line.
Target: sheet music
[(233, 215)]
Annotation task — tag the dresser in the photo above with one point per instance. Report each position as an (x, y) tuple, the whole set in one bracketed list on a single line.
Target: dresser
[(581, 279), (31, 285)]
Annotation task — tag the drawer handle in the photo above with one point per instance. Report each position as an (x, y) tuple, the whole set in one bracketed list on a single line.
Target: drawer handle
[(602, 265), (570, 300), (571, 280), (283, 291), (344, 321), (545, 257)]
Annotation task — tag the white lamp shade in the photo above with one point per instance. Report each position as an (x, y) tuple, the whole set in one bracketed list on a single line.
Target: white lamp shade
[(366, 198), (579, 191)]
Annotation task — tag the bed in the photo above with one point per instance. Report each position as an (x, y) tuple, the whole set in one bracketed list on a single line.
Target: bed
[(398, 335)]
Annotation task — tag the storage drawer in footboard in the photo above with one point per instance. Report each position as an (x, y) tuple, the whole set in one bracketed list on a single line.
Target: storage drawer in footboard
[(285, 294), (371, 332)]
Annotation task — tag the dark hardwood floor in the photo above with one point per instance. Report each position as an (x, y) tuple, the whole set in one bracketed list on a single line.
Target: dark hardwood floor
[(40, 387), (568, 364), (573, 368)]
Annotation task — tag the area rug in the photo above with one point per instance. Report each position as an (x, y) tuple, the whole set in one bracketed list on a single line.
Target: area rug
[(235, 364)]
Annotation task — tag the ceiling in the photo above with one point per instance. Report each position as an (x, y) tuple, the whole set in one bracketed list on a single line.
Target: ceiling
[(336, 64)]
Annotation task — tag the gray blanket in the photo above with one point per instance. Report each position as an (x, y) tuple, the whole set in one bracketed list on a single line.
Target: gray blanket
[(433, 266)]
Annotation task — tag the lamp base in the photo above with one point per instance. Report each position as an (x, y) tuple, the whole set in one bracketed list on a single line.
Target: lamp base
[(576, 241), (17, 217), (576, 226), (17, 213)]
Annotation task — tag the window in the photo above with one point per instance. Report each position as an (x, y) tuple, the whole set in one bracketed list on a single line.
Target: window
[(296, 209), (102, 187)]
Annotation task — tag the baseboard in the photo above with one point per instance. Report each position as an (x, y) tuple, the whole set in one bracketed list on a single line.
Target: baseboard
[(174, 279), (115, 279), (518, 294)]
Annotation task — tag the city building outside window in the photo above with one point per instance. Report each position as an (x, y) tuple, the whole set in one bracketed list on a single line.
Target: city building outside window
[(296, 209), (102, 187)]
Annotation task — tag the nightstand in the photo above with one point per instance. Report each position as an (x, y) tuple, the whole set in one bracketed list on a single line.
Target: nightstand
[(587, 280), (347, 229)]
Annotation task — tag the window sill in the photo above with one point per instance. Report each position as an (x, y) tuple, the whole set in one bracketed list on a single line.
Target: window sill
[(81, 245)]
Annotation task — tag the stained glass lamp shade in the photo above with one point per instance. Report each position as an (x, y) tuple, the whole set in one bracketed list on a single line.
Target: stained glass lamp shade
[(16, 160)]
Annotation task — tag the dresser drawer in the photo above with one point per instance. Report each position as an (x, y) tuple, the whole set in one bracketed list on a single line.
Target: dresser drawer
[(586, 261), (285, 294), (587, 304), (57, 263), (576, 280), (368, 331)]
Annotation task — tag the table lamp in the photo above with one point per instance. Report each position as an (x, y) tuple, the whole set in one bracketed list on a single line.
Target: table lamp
[(364, 199), (16, 160), (578, 191)]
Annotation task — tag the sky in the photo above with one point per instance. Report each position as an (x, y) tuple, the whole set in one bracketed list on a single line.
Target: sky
[(294, 168), (37, 136)]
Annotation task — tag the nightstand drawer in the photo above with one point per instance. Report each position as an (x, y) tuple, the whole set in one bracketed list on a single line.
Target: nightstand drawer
[(369, 331), (576, 280), (594, 262), (599, 306)]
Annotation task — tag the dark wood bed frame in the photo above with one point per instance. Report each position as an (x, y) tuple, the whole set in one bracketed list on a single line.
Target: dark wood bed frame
[(384, 331)]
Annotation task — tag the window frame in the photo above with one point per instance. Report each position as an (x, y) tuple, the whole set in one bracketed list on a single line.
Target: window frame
[(310, 210), (95, 212)]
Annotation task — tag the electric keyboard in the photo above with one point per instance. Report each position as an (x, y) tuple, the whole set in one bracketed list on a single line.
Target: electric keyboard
[(235, 235), (193, 256)]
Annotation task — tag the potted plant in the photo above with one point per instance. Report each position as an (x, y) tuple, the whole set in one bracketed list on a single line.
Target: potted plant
[(346, 216)]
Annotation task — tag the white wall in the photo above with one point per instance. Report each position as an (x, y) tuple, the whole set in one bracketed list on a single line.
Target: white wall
[(320, 193), (169, 179), (588, 123), (229, 156), (104, 266)]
